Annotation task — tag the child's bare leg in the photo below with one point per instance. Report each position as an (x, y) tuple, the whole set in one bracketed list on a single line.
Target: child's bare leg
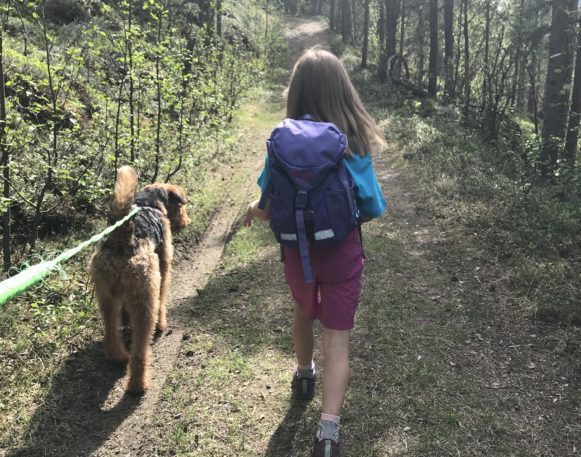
[(303, 337), (336, 348)]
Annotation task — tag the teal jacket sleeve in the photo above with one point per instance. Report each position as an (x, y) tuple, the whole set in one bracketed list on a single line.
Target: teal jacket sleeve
[(368, 195), (264, 176)]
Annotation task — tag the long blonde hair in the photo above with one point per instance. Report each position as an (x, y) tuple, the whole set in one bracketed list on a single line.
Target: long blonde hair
[(320, 86)]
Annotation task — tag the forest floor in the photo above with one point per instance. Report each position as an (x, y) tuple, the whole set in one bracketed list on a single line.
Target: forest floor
[(443, 364)]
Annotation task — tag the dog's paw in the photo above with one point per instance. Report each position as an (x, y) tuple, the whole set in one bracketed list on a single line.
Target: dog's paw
[(161, 326), (117, 355), (136, 386)]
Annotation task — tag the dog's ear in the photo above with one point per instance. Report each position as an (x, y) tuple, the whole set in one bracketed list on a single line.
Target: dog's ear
[(176, 196), (161, 195), (152, 196)]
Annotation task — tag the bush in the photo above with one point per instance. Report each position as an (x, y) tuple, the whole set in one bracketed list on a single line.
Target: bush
[(65, 11)]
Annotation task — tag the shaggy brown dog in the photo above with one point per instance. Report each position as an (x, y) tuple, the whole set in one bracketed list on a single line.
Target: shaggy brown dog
[(131, 269)]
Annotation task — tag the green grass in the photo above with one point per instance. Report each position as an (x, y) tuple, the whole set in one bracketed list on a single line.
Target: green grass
[(431, 371), (447, 358), (491, 192), (40, 329)]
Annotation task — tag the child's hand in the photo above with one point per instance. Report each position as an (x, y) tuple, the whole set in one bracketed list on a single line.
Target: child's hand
[(249, 215), (254, 211)]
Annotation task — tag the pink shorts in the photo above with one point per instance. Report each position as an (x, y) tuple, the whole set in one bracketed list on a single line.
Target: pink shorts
[(333, 296)]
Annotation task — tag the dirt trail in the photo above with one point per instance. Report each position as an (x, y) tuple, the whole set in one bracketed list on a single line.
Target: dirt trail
[(304, 33), (188, 278), (440, 365), (191, 276), (86, 412)]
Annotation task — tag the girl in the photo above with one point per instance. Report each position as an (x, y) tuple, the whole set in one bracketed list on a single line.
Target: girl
[(320, 86)]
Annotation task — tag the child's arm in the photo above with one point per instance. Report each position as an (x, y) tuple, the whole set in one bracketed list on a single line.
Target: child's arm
[(255, 212), (370, 201)]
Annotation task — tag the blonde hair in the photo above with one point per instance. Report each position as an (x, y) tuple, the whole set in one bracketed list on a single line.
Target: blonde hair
[(320, 86)]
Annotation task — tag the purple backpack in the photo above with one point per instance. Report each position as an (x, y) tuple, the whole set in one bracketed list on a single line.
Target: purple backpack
[(311, 193)]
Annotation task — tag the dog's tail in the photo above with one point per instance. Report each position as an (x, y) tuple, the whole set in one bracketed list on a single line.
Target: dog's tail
[(125, 188)]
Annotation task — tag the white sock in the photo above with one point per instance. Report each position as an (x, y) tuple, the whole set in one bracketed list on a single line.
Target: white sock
[(307, 371), (328, 428)]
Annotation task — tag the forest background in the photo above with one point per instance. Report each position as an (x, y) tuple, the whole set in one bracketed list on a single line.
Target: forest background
[(480, 100)]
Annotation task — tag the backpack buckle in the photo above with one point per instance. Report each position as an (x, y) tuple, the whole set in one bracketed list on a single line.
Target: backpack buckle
[(301, 199)]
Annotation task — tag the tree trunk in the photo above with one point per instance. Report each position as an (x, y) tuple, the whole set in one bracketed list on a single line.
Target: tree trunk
[(290, 7), (555, 106), (219, 16), (421, 37), (486, 82), (532, 73), (5, 158), (332, 22), (458, 50), (521, 85), (159, 105), (381, 26), (449, 47), (467, 76), (391, 29), (314, 6), (433, 65), (129, 45), (346, 31), (207, 19), (353, 22), (519, 59), (402, 28), (365, 48), (575, 115)]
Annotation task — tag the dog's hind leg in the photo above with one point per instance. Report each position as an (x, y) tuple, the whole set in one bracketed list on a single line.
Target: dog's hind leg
[(143, 314), (165, 260), (111, 311)]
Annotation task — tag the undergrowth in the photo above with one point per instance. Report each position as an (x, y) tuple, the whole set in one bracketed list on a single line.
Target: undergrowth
[(42, 328), (528, 226)]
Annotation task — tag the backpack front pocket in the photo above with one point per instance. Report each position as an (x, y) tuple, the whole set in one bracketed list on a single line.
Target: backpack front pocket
[(341, 221), (282, 220)]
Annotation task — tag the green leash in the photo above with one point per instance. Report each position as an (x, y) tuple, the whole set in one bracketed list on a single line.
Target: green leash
[(17, 284)]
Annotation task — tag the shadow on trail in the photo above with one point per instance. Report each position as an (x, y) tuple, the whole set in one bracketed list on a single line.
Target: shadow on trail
[(281, 442), (432, 355), (72, 421), (248, 311)]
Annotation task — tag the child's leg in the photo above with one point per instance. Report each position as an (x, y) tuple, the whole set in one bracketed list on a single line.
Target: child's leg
[(303, 337), (336, 349)]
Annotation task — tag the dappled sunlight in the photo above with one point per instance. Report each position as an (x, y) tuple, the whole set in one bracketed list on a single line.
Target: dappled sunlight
[(397, 443), (468, 331)]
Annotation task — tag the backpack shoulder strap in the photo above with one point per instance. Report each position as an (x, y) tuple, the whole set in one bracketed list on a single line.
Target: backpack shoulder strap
[(300, 203)]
